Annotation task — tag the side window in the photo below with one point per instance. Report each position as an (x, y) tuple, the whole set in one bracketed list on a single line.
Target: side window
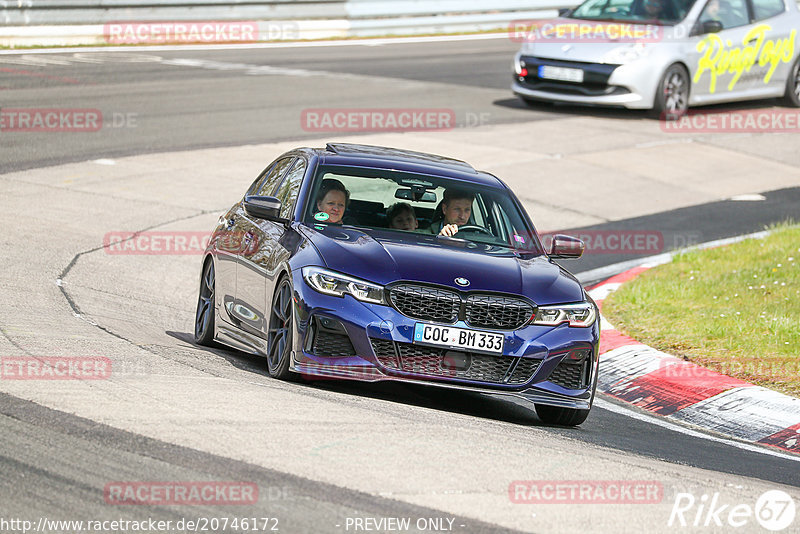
[(500, 223), (479, 215), (765, 9), (729, 13), (270, 178), (287, 192)]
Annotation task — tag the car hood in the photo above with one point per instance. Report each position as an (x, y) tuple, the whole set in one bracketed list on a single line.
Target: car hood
[(580, 52), (384, 257)]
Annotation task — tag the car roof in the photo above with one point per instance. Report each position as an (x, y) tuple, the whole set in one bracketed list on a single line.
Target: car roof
[(349, 154)]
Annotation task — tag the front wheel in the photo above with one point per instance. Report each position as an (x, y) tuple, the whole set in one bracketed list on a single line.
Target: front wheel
[(281, 328), (792, 95), (555, 415), (672, 95), (204, 317)]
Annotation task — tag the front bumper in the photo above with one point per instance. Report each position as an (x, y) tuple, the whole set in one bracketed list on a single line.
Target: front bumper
[(343, 338), (631, 86)]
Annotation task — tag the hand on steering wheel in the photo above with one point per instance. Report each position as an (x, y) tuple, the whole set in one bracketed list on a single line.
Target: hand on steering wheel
[(449, 230), (474, 228)]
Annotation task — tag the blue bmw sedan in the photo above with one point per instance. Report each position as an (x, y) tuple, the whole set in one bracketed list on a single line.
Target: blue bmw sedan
[(369, 263)]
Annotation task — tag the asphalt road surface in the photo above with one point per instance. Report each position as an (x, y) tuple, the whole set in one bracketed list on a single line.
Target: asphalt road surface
[(182, 133)]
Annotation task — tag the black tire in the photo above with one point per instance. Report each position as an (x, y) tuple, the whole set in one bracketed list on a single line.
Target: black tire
[(792, 95), (555, 415), (672, 95), (204, 317), (281, 331)]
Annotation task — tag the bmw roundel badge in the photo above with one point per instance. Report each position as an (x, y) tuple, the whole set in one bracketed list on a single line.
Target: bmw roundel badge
[(463, 282)]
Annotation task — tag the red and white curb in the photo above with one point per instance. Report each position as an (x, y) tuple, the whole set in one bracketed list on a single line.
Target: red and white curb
[(679, 390)]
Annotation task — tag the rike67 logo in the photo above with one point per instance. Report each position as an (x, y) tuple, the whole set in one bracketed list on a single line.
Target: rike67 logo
[(774, 510)]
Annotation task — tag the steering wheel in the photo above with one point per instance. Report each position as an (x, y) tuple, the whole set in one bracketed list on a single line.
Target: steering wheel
[(474, 228)]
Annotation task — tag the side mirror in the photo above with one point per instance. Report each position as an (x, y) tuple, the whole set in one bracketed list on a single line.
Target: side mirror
[(268, 208), (709, 26), (565, 11), (566, 247)]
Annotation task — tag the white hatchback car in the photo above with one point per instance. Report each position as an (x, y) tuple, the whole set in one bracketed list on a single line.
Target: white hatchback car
[(664, 55)]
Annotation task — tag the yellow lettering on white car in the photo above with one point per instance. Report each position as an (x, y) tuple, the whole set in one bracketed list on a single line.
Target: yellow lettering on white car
[(720, 56)]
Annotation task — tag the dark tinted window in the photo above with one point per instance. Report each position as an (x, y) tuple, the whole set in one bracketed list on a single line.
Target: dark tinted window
[(730, 13), (290, 187), (652, 11), (266, 183), (765, 9)]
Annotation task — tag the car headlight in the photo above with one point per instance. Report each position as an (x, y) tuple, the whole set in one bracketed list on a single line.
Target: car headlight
[(582, 314), (337, 284), (626, 54)]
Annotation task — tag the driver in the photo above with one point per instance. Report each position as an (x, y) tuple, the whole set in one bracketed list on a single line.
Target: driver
[(655, 9), (720, 12), (456, 211)]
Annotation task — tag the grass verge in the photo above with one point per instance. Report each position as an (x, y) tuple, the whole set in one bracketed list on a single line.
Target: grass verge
[(733, 309)]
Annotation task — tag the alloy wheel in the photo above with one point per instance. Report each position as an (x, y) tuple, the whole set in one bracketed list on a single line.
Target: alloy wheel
[(279, 338), (676, 91), (204, 319)]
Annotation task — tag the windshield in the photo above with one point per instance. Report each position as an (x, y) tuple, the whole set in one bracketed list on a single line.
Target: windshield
[(661, 12), (417, 206)]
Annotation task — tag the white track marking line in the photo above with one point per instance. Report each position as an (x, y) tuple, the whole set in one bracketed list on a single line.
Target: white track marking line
[(610, 270), (654, 420), (258, 46), (752, 197)]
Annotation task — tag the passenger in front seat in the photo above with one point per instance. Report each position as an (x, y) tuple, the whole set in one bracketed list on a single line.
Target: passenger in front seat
[(332, 200)]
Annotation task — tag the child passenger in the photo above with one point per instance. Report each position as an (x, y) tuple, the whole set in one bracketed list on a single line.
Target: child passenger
[(401, 216)]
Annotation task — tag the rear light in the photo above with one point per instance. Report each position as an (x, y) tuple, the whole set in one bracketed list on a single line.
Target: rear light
[(519, 65)]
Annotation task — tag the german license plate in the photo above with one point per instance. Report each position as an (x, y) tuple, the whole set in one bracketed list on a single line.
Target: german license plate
[(560, 73), (458, 338)]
